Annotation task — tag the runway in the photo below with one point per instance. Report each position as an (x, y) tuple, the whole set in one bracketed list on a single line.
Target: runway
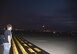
[(22, 46), (54, 43), (33, 43)]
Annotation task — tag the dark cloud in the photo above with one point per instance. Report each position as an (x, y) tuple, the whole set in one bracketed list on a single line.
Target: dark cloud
[(58, 14)]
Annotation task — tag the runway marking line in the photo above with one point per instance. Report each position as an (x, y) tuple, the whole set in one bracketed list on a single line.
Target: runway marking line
[(22, 42), (21, 47), (30, 44), (15, 51), (29, 48), (38, 50), (32, 51), (25, 45)]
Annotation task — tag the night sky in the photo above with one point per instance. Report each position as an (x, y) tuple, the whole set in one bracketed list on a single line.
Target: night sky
[(60, 15)]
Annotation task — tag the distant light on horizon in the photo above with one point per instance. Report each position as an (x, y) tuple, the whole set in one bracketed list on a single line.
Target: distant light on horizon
[(54, 32), (43, 26)]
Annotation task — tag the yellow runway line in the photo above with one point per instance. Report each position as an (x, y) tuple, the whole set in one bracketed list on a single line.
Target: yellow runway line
[(21, 47), (25, 45), (30, 44), (22, 42), (19, 39), (38, 50), (15, 51), (32, 51)]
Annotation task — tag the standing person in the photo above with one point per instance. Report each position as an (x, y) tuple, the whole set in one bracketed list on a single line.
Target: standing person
[(2, 41), (7, 39), (1, 44)]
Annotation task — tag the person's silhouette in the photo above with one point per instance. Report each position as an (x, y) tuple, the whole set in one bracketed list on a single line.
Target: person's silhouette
[(7, 39)]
